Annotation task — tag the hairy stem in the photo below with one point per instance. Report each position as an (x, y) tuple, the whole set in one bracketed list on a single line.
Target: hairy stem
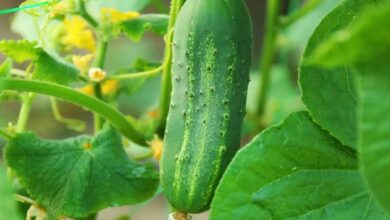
[(146, 74), (166, 84), (84, 14), (24, 113), (117, 119), (71, 123), (97, 88), (267, 54)]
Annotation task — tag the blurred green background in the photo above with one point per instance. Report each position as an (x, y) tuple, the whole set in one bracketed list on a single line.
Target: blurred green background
[(284, 94)]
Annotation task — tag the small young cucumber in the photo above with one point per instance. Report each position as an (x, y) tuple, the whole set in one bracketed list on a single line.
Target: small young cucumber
[(212, 49)]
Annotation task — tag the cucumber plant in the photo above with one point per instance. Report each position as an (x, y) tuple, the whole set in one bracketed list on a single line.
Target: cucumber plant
[(318, 148)]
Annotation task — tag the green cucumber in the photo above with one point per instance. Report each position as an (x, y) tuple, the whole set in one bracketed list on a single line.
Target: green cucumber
[(212, 49)]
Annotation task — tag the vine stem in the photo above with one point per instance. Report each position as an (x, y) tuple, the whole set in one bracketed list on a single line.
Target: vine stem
[(117, 119), (166, 84), (148, 73), (97, 87), (99, 62), (82, 11), (24, 113), (267, 54)]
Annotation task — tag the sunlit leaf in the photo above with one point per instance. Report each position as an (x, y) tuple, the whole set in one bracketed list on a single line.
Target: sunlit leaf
[(294, 170), (366, 41), (20, 51), (81, 175), (330, 94)]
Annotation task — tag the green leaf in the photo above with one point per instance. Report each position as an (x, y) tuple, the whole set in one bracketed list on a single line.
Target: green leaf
[(292, 171), (5, 68), (369, 53), (8, 206), (330, 94), (21, 50), (47, 67), (54, 69), (79, 176), (366, 41), (374, 130), (135, 28)]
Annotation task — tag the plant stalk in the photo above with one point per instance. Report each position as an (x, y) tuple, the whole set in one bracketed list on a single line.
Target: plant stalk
[(166, 83), (82, 11), (118, 120), (268, 54), (24, 113), (97, 88)]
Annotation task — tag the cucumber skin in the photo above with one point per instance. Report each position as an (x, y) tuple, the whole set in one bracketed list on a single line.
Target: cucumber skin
[(212, 50)]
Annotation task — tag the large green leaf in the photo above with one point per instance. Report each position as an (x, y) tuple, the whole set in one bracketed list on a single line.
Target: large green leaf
[(330, 94), (79, 176), (367, 41), (135, 28), (8, 208), (374, 130), (292, 171), (366, 44)]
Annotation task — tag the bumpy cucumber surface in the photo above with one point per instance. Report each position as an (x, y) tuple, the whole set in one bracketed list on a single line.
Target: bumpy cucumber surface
[(210, 75)]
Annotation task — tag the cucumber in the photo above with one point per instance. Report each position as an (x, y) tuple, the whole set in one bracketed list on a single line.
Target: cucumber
[(212, 49)]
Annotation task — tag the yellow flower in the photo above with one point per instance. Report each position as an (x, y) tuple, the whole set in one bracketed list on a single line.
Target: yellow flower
[(156, 145), (87, 90), (154, 114), (96, 74), (82, 62), (78, 35), (109, 87), (115, 16)]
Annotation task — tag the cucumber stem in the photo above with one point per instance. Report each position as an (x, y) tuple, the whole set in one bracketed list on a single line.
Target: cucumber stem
[(179, 216), (166, 84), (146, 74), (24, 113), (82, 11), (268, 54), (97, 88), (112, 115)]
